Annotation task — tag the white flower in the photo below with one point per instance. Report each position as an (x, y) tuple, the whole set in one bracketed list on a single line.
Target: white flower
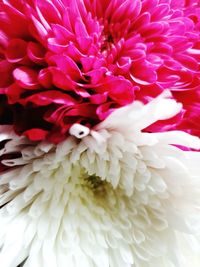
[(117, 197)]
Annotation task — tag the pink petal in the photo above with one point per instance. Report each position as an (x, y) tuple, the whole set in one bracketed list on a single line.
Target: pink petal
[(26, 78)]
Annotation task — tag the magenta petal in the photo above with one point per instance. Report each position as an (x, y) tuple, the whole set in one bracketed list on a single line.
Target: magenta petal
[(49, 11), (160, 11), (154, 28), (172, 64), (96, 75), (124, 63), (142, 20), (26, 78), (85, 43), (176, 27), (179, 43), (187, 61), (61, 80), (148, 92), (73, 52), (87, 63), (82, 92), (99, 98), (55, 46), (80, 29), (104, 110), (127, 8), (121, 91), (149, 5), (67, 65), (163, 48), (62, 34), (136, 54), (143, 73)]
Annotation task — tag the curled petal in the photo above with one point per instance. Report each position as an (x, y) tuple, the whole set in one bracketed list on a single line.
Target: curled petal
[(36, 53), (26, 78)]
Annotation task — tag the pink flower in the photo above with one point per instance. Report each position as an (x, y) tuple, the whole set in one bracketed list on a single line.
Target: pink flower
[(66, 62)]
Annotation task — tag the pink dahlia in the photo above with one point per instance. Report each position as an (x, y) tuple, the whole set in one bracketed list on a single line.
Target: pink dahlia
[(72, 61)]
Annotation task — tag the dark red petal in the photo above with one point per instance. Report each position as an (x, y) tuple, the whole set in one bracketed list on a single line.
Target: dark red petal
[(13, 93), (5, 73), (49, 97), (36, 134), (16, 50), (45, 78), (36, 53)]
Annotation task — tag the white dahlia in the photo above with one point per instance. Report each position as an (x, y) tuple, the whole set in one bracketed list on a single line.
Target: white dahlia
[(113, 196)]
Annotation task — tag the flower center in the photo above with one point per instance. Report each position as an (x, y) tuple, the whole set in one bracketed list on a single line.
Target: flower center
[(108, 37), (107, 42), (96, 184)]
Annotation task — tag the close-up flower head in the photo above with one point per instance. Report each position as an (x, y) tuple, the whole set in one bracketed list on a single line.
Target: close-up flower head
[(100, 133)]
